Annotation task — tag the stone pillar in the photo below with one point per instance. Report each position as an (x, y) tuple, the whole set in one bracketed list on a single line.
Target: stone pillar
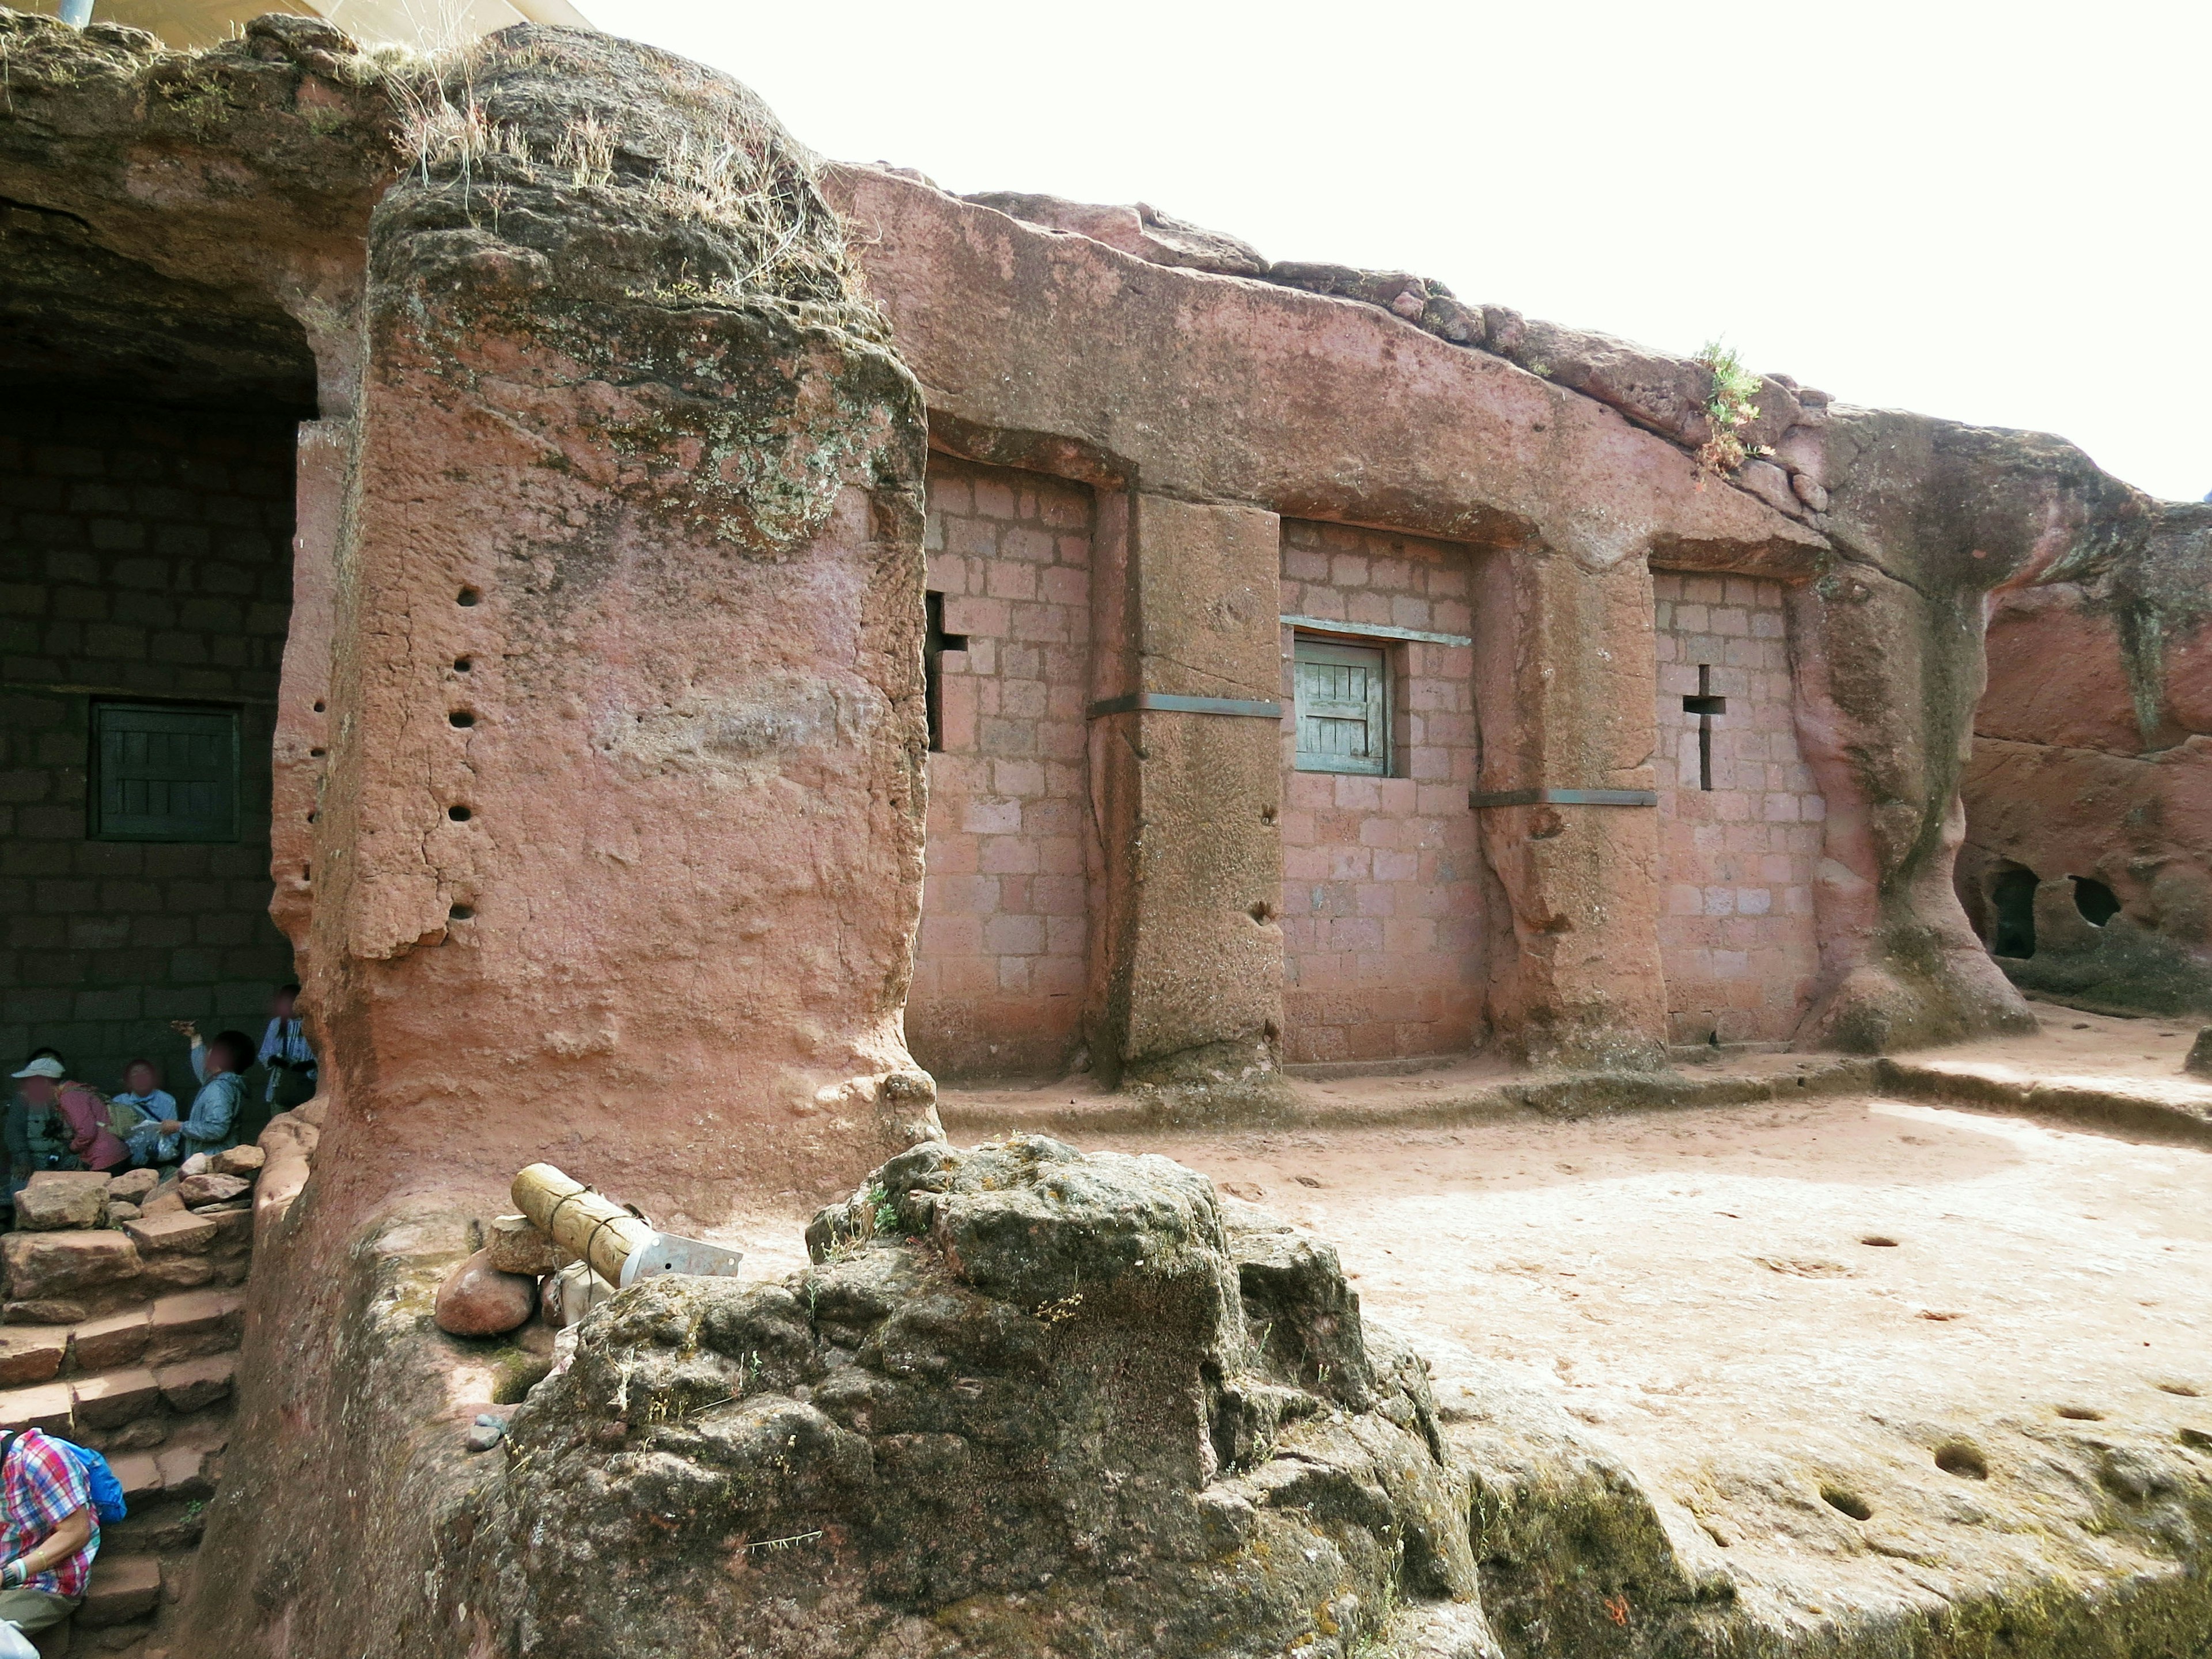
[(1187, 977), (1563, 697), (618, 855), (303, 722)]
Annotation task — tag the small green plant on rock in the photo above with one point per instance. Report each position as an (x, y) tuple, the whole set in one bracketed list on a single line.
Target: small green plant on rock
[(1729, 406)]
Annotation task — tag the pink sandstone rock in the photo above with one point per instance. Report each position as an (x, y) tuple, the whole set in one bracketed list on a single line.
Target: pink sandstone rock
[(477, 1299), (46, 1265), (211, 1187)]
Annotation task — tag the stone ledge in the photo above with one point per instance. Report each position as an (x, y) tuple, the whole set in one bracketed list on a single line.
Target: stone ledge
[(2180, 1109)]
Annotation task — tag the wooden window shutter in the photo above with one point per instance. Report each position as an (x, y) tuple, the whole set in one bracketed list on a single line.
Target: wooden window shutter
[(1343, 706), (164, 774)]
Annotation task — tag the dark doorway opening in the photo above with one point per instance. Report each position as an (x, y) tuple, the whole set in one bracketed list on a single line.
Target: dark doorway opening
[(148, 440), (2012, 901)]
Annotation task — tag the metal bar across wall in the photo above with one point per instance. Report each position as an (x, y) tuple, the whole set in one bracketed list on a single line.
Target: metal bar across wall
[(1374, 631), (1563, 798), (1169, 702)]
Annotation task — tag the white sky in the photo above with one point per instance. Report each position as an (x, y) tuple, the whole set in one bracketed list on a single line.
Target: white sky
[(2001, 213)]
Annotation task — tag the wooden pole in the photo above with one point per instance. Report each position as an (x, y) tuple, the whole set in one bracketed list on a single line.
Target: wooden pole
[(592, 1229)]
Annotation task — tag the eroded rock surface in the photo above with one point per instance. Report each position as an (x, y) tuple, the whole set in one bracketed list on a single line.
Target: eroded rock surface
[(1027, 1401)]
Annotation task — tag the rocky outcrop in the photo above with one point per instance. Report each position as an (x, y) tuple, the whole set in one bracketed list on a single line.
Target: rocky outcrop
[(1037, 1404), (2089, 795), (1140, 229), (1027, 1401)]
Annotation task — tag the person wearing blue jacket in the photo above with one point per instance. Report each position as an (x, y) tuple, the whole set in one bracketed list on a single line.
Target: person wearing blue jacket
[(212, 1126)]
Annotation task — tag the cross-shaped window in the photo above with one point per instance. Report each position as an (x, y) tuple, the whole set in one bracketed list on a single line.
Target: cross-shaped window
[(1705, 706), (935, 644)]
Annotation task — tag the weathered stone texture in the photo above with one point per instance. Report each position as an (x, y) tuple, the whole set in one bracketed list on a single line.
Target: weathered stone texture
[(1028, 1402)]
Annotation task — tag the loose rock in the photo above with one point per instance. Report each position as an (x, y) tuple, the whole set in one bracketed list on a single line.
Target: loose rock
[(477, 1299), (58, 1199), (133, 1185), (239, 1161), (210, 1188), (515, 1246)]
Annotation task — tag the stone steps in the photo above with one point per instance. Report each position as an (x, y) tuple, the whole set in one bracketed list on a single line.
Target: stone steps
[(103, 1410)]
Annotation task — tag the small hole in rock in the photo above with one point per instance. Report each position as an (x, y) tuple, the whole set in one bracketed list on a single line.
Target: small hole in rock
[(462, 665), (1849, 1503), (1881, 1240), (458, 814), (2182, 1389), (318, 753), (2096, 903), (2081, 1413), (1263, 912), (460, 913), (467, 596), (310, 817), (318, 708), (461, 717), (1963, 1458)]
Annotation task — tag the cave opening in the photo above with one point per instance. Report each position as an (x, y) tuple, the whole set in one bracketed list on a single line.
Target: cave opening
[(2012, 902)]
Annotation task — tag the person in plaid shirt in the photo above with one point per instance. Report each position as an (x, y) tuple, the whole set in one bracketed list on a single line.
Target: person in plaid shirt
[(48, 1533)]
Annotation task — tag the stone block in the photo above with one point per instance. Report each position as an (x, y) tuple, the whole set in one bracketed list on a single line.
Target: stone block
[(48, 1406), (194, 1323), (233, 1223), (122, 1587), (45, 1312), (114, 1398), (244, 1161), (187, 1472), (119, 1211), (171, 1233), (178, 1272), (44, 1265), (211, 1189), (137, 1473), (118, 1339), (164, 1202), (60, 1199), (196, 1382), (133, 1185), (31, 1353), (135, 1436), (515, 1246)]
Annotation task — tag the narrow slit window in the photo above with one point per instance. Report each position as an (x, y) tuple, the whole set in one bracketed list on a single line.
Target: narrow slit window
[(1343, 697), (161, 773), (1703, 707), (935, 643)]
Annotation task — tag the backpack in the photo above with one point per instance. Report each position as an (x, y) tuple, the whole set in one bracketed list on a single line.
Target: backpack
[(107, 1490), (122, 1117)]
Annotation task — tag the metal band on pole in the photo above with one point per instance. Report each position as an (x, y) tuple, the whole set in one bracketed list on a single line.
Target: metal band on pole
[(1478, 799), (1167, 702)]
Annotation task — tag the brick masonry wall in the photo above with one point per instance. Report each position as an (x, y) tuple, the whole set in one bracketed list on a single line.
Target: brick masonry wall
[(1382, 905), (143, 552), (1000, 964), (1735, 937)]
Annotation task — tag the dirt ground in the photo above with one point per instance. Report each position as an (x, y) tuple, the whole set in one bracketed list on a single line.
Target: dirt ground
[(1759, 1274)]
